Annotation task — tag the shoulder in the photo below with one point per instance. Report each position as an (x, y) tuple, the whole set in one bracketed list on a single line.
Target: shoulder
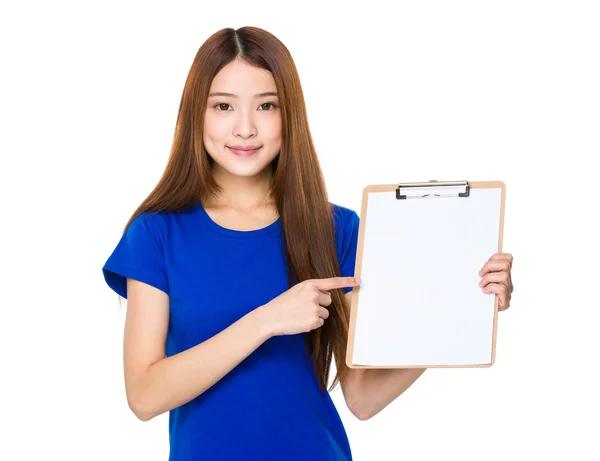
[(162, 223), (346, 224), (343, 217), (152, 222), (159, 227)]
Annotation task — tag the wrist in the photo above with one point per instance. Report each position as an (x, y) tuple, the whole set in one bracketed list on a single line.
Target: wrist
[(262, 323)]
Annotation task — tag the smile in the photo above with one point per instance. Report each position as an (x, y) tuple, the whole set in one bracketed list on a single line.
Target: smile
[(244, 153)]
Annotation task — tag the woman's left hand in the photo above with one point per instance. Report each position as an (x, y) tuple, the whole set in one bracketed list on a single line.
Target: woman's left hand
[(496, 278)]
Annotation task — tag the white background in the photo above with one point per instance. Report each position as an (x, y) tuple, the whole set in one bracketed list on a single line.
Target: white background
[(395, 91)]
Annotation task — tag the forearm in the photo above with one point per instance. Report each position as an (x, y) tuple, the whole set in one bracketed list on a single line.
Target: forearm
[(175, 380), (379, 387)]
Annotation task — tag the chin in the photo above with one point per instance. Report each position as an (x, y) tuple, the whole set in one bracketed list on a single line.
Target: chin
[(244, 170), (239, 166)]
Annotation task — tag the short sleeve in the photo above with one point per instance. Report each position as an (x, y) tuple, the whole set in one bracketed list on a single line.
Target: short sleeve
[(349, 245), (138, 255)]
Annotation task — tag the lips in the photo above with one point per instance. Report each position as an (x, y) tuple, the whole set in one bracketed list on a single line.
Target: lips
[(244, 152)]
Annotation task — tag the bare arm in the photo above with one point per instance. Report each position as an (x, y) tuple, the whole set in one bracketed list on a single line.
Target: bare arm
[(380, 387), (368, 391), (156, 384)]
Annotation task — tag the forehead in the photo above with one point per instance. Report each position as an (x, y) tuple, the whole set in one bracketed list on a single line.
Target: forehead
[(243, 80)]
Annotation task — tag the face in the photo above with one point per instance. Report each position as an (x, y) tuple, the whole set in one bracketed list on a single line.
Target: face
[(243, 118)]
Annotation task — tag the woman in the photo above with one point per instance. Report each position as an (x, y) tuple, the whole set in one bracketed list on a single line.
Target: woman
[(238, 271)]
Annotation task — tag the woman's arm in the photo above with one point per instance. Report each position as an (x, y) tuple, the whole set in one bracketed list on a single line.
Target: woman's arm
[(368, 391), (380, 387), (156, 384)]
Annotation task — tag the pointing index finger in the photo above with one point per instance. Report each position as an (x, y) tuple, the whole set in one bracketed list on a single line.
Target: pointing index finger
[(338, 282)]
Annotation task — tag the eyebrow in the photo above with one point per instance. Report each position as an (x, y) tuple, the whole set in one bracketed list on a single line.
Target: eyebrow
[(260, 95)]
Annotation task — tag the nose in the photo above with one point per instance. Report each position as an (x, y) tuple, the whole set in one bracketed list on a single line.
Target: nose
[(244, 125)]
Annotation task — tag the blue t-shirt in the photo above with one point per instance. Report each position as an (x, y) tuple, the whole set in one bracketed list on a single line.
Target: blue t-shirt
[(268, 407)]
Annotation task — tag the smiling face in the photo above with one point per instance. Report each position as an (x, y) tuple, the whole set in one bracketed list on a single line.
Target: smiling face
[(245, 116)]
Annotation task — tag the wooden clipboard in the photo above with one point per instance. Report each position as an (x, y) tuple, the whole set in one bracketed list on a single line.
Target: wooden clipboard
[(419, 327)]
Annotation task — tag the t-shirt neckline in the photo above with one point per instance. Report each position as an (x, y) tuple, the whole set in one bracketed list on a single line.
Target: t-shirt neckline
[(234, 232)]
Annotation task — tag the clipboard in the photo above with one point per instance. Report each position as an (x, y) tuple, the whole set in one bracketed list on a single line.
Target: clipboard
[(420, 248)]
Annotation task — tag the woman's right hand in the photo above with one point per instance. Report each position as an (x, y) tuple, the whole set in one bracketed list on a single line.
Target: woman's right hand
[(302, 308)]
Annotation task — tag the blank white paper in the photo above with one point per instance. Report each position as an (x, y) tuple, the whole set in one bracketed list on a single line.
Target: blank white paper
[(419, 302)]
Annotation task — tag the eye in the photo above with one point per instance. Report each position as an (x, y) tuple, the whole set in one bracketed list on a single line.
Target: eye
[(268, 103), (221, 104)]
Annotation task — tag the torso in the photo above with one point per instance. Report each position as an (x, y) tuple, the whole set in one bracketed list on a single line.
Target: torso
[(269, 406)]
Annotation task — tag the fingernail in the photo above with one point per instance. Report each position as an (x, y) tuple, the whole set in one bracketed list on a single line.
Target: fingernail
[(358, 280)]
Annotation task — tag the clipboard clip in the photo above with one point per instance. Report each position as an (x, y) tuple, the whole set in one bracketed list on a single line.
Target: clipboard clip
[(433, 188)]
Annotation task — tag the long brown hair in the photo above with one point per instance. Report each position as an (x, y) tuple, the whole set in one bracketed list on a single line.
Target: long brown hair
[(297, 184)]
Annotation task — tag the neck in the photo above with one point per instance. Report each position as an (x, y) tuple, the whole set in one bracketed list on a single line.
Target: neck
[(240, 192)]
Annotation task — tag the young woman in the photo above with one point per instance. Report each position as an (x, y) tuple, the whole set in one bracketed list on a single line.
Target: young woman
[(238, 271)]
